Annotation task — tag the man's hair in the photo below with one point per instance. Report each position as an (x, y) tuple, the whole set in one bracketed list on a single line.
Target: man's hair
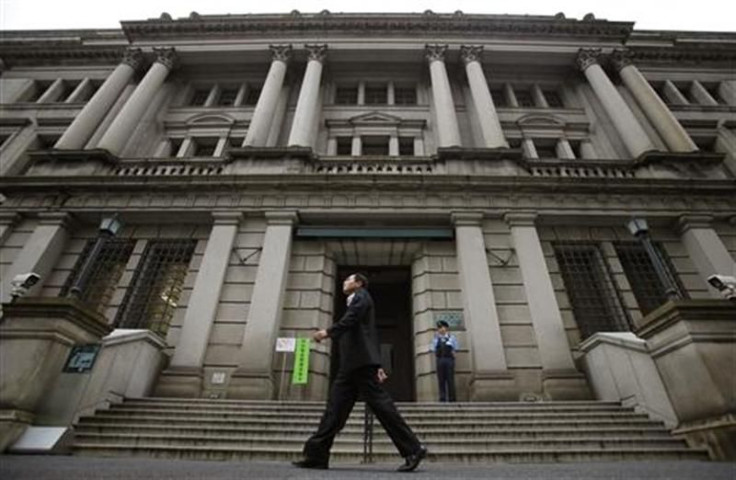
[(443, 323), (359, 277)]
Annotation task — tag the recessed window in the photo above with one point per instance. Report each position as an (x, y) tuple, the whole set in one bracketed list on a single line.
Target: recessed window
[(346, 95), (235, 142), (499, 98), (406, 146), (46, 142), (68, 87), (204, 146), (524, 98), (344, 145), (3, 140), (175, 146), (200, 96), (405, 95), (38, 89), (712, 89), (575, 146), (376, 95), (545, 148), (375, 145), (227, 97), (706, 143), (251, 96), (554, 100)]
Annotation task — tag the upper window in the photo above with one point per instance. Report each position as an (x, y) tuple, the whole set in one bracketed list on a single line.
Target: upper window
[(375, 145), (376, 95), (405, 95), (346, 95)]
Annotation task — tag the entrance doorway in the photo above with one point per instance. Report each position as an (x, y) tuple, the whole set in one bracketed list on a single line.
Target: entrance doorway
[(390, 288)]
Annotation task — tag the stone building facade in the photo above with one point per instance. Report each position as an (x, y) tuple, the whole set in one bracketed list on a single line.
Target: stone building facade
[(480, 168)]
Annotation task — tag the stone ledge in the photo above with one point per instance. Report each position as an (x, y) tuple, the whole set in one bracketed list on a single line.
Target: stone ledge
[(55, 308), (675, 311), (699, 158)]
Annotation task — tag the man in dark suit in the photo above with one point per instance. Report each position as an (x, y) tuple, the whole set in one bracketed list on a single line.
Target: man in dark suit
[(360, 372)]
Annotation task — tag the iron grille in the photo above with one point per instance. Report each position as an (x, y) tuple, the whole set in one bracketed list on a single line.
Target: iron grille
[(646, 286), (104, 274), (157, 285), (596, 303)]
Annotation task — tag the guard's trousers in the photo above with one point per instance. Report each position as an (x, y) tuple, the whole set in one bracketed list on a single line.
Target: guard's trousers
[(446, 378), (345, 390)]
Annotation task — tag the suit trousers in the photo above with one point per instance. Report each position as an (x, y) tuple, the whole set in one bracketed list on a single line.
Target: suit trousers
[(446, 378), (345, 390)]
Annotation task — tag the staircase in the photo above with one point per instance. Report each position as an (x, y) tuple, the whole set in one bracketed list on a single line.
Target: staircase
[(458, 432)]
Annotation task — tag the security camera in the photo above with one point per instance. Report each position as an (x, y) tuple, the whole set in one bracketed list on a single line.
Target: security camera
[(22, 283), (725, 284)]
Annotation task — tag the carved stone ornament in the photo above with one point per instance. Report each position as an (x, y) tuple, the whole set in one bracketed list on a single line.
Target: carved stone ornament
[(316, 52), (280, 52), (133, 57), (167, 57), (435, 52), (472, 53), (587, 57), (621, 59)]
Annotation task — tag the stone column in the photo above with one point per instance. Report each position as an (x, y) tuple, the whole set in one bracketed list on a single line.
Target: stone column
[(84, 125), (119, 132), (308, 102), (490, 125), (448, 133), (705, 248), (253, 377), (263, 115), (491, 380), (654, 108), (40, 253), (183, 378), (560, 378), (632, 133)]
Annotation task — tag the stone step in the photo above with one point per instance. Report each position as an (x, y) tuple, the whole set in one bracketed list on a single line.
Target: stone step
[(357, 431), (379, 444), (523, 422), (343, 455), (287, 415)]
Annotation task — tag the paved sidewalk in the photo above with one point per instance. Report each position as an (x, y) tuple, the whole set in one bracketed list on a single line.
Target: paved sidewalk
[(37, 467)]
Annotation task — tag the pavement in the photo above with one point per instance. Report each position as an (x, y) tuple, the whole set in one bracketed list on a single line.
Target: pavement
[(58, 467)]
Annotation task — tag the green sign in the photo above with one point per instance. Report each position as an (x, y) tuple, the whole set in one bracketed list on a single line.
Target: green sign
[(301, 362)]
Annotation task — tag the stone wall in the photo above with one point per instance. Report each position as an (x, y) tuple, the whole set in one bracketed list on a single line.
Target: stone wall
[(18, 236)]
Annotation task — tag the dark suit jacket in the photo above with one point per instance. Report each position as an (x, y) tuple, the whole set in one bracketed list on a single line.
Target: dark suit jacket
[(356, 334)]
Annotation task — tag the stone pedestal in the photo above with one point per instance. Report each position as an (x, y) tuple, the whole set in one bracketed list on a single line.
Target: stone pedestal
[(180, 382), (693, 345), (251, 385), (494, 386), (561, 385), (36, 335)]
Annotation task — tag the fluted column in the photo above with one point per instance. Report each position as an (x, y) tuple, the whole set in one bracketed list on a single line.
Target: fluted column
[(673, 134), (308, 102), (119, 132), (448, 132), (490, 125), (84, 125), (632, 133), (263, 115)]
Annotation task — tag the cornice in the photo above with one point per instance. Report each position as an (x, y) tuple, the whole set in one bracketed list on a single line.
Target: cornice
[(360, 24), (35, 54), (703, 54)]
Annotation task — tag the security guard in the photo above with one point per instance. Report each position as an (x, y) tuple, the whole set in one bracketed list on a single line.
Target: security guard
[(444, 346)]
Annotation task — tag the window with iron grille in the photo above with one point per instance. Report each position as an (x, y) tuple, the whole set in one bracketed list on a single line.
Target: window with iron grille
[(346, 95), (376, 95), (596, 304), (554, 100), (646, 286), (154, 294), (104, 274), (200, 96), (405, 96), (499, 98), (227, 97), (374, 145), (251, 96), (344, 145), (524, 97), (406, 146)]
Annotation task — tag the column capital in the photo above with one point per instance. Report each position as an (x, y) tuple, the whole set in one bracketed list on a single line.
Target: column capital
[(227, 218), (63, 219), (621, 58), (471, 53), (316, 52), (686, 222), (435, 52), (167, 57), (520, 219), (282, 217), (133, 57), (281, 53), (587, 57), (466, 219)]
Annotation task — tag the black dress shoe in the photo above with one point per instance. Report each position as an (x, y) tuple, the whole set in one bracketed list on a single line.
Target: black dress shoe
[(413, 460), (307, 463)]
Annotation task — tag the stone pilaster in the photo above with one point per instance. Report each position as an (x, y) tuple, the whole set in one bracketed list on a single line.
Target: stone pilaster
[(119, 132), (490, 125), (673, 134), (84, 124), (263, 115), (628, 127), (308, 102), (448, 132), (705, 248), (253, 377)]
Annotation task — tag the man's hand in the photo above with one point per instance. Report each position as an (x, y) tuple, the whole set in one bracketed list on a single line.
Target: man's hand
[(381, 375), (319, 335)]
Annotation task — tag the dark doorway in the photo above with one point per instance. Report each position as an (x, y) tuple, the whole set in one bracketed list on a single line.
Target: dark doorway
[(390, 288)]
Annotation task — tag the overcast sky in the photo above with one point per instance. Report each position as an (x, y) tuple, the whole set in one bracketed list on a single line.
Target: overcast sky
[(706, 15)]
